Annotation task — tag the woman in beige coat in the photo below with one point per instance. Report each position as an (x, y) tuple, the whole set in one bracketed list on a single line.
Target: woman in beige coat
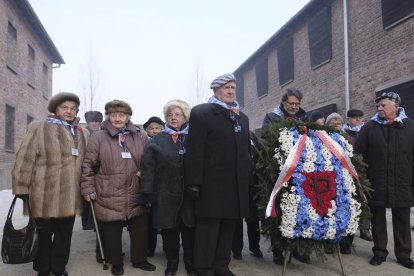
[(110, 171), (47, 172)]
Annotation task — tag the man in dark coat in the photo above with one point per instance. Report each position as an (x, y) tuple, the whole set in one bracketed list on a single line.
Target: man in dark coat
[(289, 109), (386, 143), (352, 128), (217, 174)]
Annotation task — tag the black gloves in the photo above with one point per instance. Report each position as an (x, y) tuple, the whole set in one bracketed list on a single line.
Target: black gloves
[(23, 196), (145, 199), (193, 191)]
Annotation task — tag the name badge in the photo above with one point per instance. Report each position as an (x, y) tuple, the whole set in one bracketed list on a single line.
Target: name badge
[(75, 152), (126, 155), (237, 128)]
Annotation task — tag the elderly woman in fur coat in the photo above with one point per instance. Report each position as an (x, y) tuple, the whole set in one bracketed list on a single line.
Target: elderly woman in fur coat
[(110, 172), (162, 184), (47, 172)]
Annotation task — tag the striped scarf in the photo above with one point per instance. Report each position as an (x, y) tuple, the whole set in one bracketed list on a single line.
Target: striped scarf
[(72, 126), (234, 107), (400, 117), (347, 127), (175, 134)]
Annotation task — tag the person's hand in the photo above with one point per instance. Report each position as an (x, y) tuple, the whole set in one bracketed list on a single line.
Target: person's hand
[(145, 200), (90, 197), (87, 198), (193, 191)]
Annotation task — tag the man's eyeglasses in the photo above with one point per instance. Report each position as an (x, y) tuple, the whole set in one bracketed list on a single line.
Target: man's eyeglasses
[(292, 104)]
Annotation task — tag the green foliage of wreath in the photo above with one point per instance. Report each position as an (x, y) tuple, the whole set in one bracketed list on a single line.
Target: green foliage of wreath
[(267, 171)]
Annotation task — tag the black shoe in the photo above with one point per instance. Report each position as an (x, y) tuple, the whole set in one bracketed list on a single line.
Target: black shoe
[(365, 235), (227, 273), (257, 253), (345, 249), (172, 267), (189, 267), (408, 263), (278, 257), (60, 273), (237, 255), (150, 253), (117, 269), (43, 273), (377, 260), (304, 258), (99, 260), (145, 265)]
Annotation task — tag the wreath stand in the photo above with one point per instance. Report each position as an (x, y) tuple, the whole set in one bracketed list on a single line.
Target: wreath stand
[(285, 264)]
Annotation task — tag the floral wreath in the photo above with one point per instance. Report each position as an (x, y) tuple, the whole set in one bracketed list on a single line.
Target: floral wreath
[(315, 195)]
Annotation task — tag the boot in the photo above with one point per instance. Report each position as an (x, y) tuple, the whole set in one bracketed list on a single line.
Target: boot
[(172, 267), (189, 267)]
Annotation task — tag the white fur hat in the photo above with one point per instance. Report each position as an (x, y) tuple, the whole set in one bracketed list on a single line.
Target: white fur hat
[(184, 106)]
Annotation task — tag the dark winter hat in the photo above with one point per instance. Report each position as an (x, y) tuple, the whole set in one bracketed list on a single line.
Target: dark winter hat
[(354, 113), (61, 97), (389, 95), (153, 119), (315, 115), (93, 116), (333, 116), (117, 106), (222, 80)]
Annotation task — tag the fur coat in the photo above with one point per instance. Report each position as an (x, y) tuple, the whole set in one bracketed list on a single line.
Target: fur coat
[(46, 170)]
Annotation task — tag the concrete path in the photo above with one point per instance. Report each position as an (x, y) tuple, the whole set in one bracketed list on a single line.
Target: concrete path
[(82, 261)]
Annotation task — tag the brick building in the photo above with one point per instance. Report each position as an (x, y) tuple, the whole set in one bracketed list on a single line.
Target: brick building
[(27, 57), (336, 65)]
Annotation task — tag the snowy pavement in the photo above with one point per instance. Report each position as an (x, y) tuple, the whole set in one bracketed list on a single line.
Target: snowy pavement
[(82, 260)]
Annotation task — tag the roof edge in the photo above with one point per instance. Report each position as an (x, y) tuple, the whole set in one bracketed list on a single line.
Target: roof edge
[(294, 19), (37, 25)]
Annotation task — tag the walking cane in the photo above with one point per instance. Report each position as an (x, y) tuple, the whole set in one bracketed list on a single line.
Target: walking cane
[(98, 236)]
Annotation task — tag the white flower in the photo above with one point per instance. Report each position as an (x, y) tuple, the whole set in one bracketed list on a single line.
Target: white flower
[(308, 167)]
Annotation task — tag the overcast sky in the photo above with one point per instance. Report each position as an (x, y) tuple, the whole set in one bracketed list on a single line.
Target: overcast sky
[(146, 52)]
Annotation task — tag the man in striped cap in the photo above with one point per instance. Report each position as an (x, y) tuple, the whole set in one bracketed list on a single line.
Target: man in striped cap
[(217, 171)]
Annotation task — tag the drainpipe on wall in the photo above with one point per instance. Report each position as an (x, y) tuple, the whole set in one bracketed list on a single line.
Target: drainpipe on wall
[(346, 55)]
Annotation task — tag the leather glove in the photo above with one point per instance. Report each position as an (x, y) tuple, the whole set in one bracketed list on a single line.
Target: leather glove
[(23, 196), (193, 191), (145, 199)]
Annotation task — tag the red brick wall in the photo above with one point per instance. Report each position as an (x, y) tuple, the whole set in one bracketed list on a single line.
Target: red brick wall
[(14, 89), (376, 56)]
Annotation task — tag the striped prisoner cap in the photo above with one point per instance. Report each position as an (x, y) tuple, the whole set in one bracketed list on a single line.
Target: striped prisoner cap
[(219, 81)]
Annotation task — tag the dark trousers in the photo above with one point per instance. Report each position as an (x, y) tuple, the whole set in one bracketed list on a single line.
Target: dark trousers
[(152, 234), (55, 236), (86, 215), (213, 240), (400, 226), (112, 239), (171, 242), (253, 234)]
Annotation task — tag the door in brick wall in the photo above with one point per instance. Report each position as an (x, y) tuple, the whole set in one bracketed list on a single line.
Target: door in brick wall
[(406, 92)]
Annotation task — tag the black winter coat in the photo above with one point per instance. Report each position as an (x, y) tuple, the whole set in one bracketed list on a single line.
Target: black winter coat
[(162, 175), (272, 117), (389, 153), (219, 162)]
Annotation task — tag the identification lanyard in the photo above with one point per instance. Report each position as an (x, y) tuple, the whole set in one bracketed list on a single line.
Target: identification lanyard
[(181, 139), (236, 125)]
